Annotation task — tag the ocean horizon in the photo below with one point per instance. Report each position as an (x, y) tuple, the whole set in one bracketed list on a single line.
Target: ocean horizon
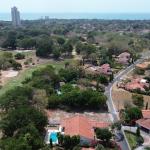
[(105, 16)]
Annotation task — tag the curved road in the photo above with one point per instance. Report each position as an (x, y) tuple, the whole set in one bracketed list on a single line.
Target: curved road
[(108, 93)]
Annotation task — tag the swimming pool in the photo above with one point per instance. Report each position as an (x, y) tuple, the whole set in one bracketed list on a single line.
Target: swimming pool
[(53, 136)]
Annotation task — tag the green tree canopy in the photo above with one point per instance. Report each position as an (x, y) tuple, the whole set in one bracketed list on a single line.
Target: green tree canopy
[(103, 134), (132, 114), (138, 100), (44, 47)]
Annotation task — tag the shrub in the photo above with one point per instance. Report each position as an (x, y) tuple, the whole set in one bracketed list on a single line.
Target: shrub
[(19, 56)]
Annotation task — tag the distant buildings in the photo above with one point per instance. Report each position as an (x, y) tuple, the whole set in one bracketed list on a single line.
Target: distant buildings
[(104, 69), (124, 58), (134, 84), (15, 14)]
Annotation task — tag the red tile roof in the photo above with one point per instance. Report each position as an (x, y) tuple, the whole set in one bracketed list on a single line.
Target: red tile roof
[(144, 123), (146, 114), (106, 69), (136, 84), (124, 58), (124, 54), (81, 125)]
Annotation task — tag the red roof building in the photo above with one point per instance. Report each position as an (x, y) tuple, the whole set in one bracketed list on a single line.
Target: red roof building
[(105, 69), (146, 114), (136, 84), (144, 123), (124, 58), (82, 126)]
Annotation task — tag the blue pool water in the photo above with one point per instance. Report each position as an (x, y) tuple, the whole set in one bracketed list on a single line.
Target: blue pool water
[(53, 136)]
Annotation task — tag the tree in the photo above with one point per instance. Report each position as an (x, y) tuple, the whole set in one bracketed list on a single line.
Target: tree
[(146, 107), (68, 142), (56, 53), (15, 144), (132, 114), (44, 47), (138, 132), (102, 79), (45, 78), (51, 143), (89, 49), (138, 100), (10, 42), (140, 140), (139, 71), (67, 48), (16, 65), (93, 58), (73, 98), (40, 99), (79, 47), (103, 134), (60, 40), (67, 88), (116, 125), (67, 65), (31, 136), (16, 97), (53, 101), (20, 118), (69, 74), (27, 43), (111, 77), (20, 56)]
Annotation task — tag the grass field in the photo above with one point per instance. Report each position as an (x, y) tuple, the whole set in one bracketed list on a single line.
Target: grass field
[(17, 81), (132, 139)]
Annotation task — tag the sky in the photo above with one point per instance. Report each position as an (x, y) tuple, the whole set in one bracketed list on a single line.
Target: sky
[(77, 6)]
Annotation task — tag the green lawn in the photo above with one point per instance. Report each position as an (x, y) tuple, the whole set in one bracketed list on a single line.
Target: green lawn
[(17, 81), (132, 139)]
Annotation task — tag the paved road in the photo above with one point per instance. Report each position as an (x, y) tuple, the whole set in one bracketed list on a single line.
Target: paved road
[(108, 93)]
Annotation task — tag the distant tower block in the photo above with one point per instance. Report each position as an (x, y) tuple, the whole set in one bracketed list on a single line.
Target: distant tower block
[(15, 14)]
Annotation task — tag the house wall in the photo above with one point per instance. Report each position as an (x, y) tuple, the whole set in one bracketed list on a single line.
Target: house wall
[(85, 141), (144, 129)]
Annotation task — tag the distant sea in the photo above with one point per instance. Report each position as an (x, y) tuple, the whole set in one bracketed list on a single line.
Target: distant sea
[(106, 16)]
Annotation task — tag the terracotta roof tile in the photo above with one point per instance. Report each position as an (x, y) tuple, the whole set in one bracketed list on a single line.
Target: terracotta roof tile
[(146, 114), (144, 123), (80, 125)]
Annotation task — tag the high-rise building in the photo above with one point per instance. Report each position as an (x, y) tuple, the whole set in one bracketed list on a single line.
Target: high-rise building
[(15, 14)]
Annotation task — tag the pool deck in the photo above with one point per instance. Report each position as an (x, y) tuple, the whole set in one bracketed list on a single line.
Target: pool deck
[(48, 133)]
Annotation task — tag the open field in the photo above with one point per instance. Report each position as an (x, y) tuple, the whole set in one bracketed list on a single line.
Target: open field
[(131, 139), (121, 96), (59, 115), (16, 81), (10, 82)]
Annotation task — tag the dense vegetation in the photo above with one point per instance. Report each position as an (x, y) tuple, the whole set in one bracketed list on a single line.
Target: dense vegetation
[(7, 61), (75, 98), (22, 124), (95, 42), (71, 97), (88, 37), (23, 118)]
